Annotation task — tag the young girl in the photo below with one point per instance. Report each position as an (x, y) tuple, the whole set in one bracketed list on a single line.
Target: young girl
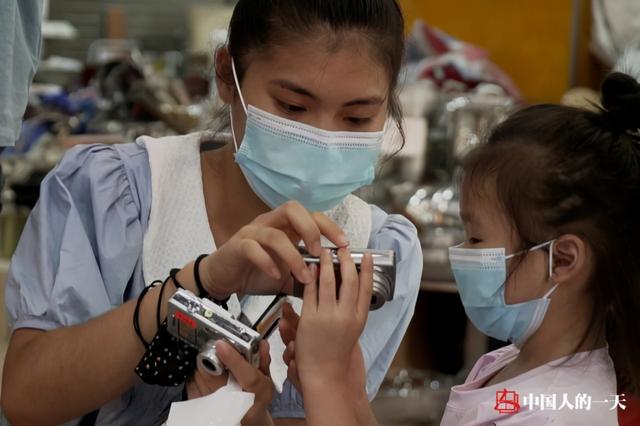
[(310, 85), (550, 263)]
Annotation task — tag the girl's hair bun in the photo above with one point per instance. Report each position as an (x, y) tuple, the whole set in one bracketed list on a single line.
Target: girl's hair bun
[(621, 101)]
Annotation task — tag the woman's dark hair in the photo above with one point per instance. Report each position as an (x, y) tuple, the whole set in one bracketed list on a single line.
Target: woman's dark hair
[(562, 170), (257, 25)]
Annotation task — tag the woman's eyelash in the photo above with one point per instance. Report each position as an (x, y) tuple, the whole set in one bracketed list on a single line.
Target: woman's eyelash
[(358, 120), (474, 240), (291, 108)]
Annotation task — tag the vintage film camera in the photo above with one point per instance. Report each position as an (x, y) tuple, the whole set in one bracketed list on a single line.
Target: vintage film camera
[(201, 323), (384, 273)]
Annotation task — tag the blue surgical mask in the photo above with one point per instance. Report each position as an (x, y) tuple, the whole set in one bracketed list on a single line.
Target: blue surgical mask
[(285, 160), (481, 276)]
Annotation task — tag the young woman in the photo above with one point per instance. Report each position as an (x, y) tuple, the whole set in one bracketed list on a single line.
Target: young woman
[(310, 85), (550, 263)]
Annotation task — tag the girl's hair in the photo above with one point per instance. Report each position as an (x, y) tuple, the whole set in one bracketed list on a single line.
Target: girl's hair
[(562, 170), (257, 25)]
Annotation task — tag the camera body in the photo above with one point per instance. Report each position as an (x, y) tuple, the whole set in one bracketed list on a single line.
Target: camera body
[(384, 272), (200, 323)]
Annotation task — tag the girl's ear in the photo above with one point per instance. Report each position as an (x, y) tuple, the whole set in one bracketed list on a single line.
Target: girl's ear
[(569, 258)]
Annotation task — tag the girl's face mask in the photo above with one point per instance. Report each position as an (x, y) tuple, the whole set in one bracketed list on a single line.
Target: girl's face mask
[(285, 160), (481, 276)]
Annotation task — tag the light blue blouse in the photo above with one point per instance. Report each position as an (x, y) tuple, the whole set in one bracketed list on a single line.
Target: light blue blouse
[(80, 255), (20, 44)]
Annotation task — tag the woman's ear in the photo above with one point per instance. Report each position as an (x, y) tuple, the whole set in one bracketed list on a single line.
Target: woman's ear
[(569, 259), (224, 75)]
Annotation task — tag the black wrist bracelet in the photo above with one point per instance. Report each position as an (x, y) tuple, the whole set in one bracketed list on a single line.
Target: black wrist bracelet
[(173, 274), (201, 289), (136, 313), (196, 276), (164, 284)]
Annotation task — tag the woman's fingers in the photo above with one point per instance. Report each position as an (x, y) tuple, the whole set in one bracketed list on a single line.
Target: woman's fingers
[(206, 383), (276, 241), (366, 286), (331, 230), (294, 216), (327, 285), (309, 226), (248, 377), (256, 254), (349, 284)]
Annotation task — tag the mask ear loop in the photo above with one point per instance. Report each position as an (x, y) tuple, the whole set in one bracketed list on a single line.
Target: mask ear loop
[(244, 106), (233, 132), (237, 82), (539, 246), (555, 286)]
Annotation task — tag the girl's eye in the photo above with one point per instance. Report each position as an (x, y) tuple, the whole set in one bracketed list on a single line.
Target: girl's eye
[(474, 241), (358, 120), (293, 109)]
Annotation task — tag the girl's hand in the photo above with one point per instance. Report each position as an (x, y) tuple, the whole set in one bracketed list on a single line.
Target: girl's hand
[(357, 376), (260, 257), (251, 379), (329, 327)]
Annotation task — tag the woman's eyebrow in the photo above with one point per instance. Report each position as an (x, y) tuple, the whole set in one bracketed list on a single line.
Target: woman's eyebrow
[(286, 84), (372, 100)]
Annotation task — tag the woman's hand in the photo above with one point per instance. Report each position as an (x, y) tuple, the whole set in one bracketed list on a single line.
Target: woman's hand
[(260, 257), (256, 381)]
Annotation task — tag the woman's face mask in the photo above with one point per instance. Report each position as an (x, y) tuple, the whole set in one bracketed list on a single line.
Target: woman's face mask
[(285, 160)]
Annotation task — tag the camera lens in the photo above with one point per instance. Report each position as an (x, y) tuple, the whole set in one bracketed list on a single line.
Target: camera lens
[(208, 360), (209, 365)]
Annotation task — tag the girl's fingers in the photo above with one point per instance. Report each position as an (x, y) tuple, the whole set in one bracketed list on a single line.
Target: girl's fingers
[(310, 295), (287, 332), (265, 358), (289, 354), (290, 315), (293, 376), (288, 323), (366, 286), (349, 284), (327, 281)]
